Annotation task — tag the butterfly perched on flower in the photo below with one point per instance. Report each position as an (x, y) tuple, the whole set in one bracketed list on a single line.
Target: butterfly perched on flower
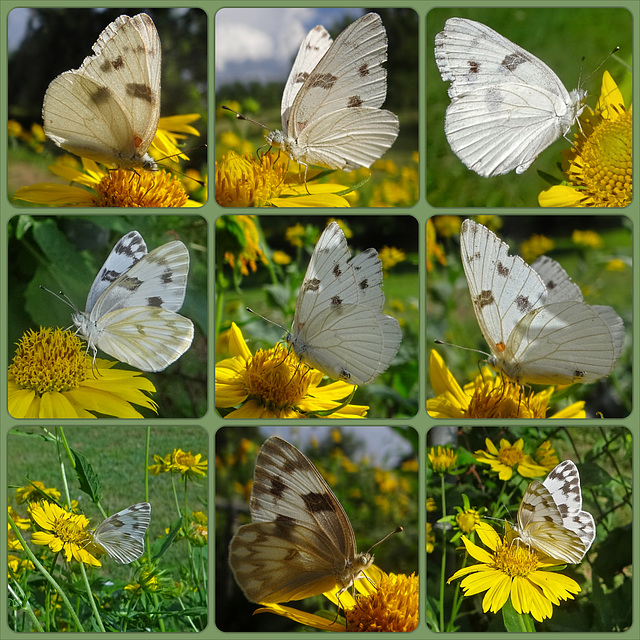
[(131, 307), (300, 542), (121, 535), (551, 519)]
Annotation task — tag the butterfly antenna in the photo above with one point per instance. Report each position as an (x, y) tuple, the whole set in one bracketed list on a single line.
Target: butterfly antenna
[(265, 319), (398, 529), (240, 116), (63, 297), (457, 346)]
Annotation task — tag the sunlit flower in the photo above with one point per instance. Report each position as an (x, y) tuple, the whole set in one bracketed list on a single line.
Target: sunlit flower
[(598, 169), (238, 240), (100, 187), (467, 519), (546, 456), (431, 538), (246, 181), (512, 570), (391, 256), (390, 605), (274, 384), (52, 376), (186, 464), (488, 396), (508, 458), (442, 459), (63, 531), (36, 491), (586, 238)]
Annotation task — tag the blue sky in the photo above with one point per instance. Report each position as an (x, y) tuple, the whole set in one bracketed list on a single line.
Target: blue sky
[(260, 44)]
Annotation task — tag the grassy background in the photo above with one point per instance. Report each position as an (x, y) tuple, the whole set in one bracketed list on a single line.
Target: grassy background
[(116, 454)]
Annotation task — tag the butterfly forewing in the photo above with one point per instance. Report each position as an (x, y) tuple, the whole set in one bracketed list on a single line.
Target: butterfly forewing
[(121, 535), (550, 517), (108, 109), (300, 542)]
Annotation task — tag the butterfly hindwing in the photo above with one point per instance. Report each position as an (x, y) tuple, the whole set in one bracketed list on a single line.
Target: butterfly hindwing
[(121, 535)]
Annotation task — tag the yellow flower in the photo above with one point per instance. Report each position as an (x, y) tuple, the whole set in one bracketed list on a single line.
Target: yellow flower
[(390, 605), (513, 571), (99, 187), (488, 396), (180, 462), (435, 252), (391, 256), (431, 538), (546, 455), (273, 384), (442, 459), (36, 491), (245, 181), (509, 457), (52, 376), (238, 240), (536, 246), (587, 238), (63, 531), (467, 520), (598, 169)]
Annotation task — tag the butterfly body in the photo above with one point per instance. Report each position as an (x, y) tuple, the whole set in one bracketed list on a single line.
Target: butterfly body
[(534, 318), (507, 106), (551, 519), (331, 103), (338, 327), (300, 542), (108, 109), (130, 310)]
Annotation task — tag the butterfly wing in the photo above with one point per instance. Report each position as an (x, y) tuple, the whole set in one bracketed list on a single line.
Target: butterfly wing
[(548, 519), (337, 327), (313, 47), (127, 251), (108, 109), (121, 535), (507, 106), (503, 288), (300, 542), (563, 483), (338, 103), (133, 318), (536, 335)]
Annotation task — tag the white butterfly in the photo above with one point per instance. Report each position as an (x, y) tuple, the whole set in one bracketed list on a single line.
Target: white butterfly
[(300, 542), (108, 109), (338, 326), (331, 103), (130, 312), (550, 517), (507, 106), (534, 318), (121, 535)]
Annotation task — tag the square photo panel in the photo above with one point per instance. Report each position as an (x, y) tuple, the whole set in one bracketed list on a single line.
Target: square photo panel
[(529, 317), (114, 514), (115, 110), (529, 107), (530, 528), (137, 348), (346, 81), (316, 529), (316, 317)]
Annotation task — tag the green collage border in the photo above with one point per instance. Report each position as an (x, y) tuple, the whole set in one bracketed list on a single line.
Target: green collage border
[(211, 211)]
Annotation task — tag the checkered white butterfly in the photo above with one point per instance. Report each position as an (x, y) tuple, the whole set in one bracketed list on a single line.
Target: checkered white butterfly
[(534, 318), (330, 108), (130, 311), (108, 109), (338, 327), (300, 542), (507, 106), (550, 517), (121, 535)]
